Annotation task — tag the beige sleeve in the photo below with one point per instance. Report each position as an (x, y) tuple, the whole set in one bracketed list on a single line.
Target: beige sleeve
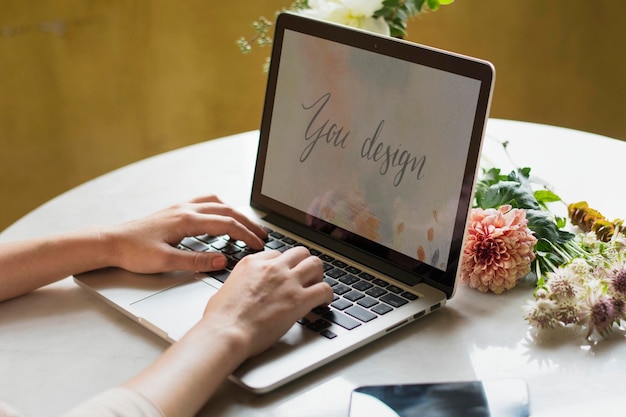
[(8, 411), (117, 402)]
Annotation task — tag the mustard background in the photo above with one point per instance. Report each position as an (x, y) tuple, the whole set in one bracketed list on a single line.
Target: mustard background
[(87, 86)]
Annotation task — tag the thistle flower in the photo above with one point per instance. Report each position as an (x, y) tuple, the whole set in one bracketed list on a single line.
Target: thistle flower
[(579, 267), (542, 313), (597, 313), (568, 311), (561, 286), (499, 249), (581, 276), (590, 291), (619, 309), (617, 280)]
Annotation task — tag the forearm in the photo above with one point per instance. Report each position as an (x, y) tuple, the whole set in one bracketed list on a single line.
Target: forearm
[(145, 245), (183, 379), (263, 297), (28, 265)]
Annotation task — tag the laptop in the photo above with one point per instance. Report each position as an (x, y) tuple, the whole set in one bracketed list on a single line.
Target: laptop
[(368, 152)]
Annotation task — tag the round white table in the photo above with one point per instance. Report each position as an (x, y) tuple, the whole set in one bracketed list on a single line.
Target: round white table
[(59, 345)]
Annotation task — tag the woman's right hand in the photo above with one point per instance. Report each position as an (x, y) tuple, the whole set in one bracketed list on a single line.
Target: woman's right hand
[(266, 293)]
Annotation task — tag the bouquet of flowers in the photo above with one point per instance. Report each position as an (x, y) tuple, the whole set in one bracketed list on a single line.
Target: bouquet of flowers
[(387, 17), (579, 266)]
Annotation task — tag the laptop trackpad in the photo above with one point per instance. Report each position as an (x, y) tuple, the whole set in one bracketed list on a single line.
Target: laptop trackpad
[(172, 312)]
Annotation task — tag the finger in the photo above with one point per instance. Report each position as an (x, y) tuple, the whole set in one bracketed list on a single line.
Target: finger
[(206, 199), (294, 256), (310, 270), (318, 294), (215, 224), (227, 211), (195, 261), (212, 204), (263, 255)]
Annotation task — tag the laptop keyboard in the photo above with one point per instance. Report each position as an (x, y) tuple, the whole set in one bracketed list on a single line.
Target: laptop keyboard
[(359, 297)]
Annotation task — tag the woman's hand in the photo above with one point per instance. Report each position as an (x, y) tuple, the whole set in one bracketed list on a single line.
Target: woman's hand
[(148, 245), (263, 297), (266, 293)]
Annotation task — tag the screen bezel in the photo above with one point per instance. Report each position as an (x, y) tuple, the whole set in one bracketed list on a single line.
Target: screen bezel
[(389, 262)]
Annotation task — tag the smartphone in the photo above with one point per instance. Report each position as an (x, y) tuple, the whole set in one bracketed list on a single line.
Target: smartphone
[(487, 398)]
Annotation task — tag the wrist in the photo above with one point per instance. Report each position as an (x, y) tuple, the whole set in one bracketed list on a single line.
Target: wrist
[(105, 242), (199, 362), (110, 246), (234, 341)]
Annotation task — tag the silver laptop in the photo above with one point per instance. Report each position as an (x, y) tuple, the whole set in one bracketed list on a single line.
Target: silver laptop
[(368, 153)]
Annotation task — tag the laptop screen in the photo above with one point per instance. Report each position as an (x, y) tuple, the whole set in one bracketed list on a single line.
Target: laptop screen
[(369, 146)]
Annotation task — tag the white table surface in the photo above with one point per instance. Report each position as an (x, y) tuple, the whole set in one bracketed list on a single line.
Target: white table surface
[(59, 345)]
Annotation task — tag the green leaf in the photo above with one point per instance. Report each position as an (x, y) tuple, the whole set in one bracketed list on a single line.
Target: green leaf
[(552, 258), (524, 172), (401, 15), (397, 28), (433, 4), (546, 196), (410, 8), (565, 236), (384, 12), (548, 235), (491, 177), (541, 223), (508, 192), (487, 179), (419, 4)]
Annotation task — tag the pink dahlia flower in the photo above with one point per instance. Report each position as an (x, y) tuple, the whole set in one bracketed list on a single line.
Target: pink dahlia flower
[(499, 249)]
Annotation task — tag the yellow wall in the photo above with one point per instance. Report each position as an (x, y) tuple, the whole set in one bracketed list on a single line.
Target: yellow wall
[(87, 86)]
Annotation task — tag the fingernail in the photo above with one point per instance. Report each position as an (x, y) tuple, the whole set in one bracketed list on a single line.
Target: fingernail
[(219, 262)]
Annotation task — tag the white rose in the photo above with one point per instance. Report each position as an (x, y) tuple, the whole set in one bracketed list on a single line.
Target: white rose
[(355, 13)]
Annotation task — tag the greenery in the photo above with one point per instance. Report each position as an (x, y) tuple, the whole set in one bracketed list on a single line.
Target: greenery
[(555, 245), (397, 12), (394, 13), (579, 265)]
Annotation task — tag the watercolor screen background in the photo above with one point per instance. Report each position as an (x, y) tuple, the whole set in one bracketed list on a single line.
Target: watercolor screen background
[(369, 143)]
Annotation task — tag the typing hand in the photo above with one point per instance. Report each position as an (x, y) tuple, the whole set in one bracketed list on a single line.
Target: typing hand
[(148, 245), (266, 293)]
